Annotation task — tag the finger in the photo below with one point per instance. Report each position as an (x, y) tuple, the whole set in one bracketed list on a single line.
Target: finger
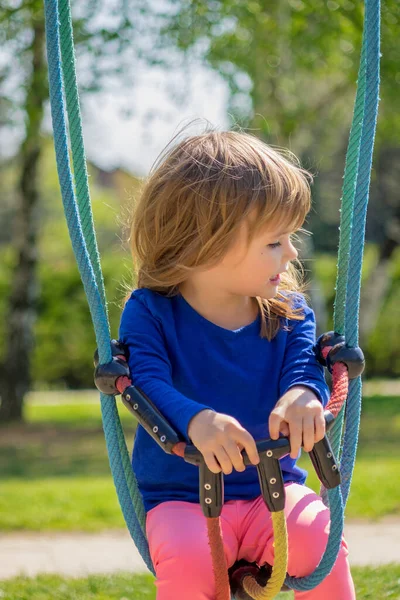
[(233, 451), (211, 462), (296, 438), (249, 445), (319, 427), (224, 460), (284, 429), (274, 423), (308, 433)]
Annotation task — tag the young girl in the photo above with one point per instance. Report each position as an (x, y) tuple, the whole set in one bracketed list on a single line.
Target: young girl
[(220, 339)]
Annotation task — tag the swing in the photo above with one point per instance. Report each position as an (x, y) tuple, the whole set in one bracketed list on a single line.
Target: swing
[(245, 580), (338, 351)]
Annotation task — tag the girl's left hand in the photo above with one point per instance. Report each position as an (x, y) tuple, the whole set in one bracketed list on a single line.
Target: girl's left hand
[(300, 415)]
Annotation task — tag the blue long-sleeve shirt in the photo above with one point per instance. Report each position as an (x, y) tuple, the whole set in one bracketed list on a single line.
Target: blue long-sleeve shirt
[(185, 364)]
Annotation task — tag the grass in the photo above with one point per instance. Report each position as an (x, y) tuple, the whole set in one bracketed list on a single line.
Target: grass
[(55, 473), (382, 582)]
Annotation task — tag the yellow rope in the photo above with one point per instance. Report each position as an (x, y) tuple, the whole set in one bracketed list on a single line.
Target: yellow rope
[(279, 569)]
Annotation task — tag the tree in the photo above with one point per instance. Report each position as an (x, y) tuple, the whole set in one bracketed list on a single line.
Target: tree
[(15, 369), (105, 42), (291, 66)]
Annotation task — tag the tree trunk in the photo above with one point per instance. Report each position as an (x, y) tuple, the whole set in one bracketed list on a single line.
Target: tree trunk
[(21, 310)]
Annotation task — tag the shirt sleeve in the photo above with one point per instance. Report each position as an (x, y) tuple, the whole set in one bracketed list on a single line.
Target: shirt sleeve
[(150, 366), (300, 366)]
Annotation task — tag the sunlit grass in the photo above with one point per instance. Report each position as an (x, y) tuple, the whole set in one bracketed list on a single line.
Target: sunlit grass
[(60, 504), (374, 492), (69, 412), (382, 582)]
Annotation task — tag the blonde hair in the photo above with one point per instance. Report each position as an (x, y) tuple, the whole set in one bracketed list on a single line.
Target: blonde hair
[(195, 199)]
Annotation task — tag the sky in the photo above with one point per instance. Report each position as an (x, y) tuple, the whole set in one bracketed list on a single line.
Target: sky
[(129, 128), (134, 142)]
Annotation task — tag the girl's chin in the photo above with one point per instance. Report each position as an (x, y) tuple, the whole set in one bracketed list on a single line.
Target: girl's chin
[(270, 293)]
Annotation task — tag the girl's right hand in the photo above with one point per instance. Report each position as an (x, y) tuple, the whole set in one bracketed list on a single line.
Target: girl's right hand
[(220, 438)]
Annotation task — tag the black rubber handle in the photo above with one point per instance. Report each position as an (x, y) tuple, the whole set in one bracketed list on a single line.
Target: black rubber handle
[(211, 491), (269, 475), (271, 483), (150, 418)]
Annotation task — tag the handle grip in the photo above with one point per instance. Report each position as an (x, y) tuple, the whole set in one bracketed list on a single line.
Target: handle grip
[(211, 491), (271, 483), (150, 418)]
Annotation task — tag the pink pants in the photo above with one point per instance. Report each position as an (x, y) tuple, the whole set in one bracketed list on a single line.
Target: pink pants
[(177, 535)]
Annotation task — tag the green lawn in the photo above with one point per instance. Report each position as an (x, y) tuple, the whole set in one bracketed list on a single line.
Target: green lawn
[(371, 584), (55, 472)]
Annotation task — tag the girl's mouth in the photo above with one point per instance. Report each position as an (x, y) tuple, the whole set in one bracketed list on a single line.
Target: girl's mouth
[(275, 280)]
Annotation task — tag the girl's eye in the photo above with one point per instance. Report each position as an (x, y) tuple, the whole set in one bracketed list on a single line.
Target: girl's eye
[(275, 245)]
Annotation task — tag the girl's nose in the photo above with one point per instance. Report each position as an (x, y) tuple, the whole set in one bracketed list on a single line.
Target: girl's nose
[(291, 251)]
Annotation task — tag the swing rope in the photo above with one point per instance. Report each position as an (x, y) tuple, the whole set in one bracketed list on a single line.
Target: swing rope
[(277, 578), (83, 201), (352, 232), (76, 201), (124, 479), (346, 307), (353, 285)]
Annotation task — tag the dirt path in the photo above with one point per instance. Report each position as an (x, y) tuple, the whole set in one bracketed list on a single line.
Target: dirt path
[(80, 554)]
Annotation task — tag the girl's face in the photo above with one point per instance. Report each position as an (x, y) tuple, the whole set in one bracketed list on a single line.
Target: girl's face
[(253, 269)]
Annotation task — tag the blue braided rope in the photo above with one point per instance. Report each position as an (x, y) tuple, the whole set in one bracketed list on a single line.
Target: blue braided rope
[(348, 194), (353, 412), (346, 226), (82, 194), (372, 24), (332, 549), (66, 183), (82, 197), (337, 498), (97, 310), (336, 434)]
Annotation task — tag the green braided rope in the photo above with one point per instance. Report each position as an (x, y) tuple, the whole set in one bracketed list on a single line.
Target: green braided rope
[(80, 174), (352, 231), (77, 146), (131, 478), (109, 412), (353, 410), (346, 216), (347, 201)]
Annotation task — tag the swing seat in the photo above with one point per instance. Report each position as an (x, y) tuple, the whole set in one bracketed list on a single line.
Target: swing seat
[(240, 569)]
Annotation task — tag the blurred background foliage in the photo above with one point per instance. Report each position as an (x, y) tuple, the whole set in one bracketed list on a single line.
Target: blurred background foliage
[(291, 69), (64, 338)]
